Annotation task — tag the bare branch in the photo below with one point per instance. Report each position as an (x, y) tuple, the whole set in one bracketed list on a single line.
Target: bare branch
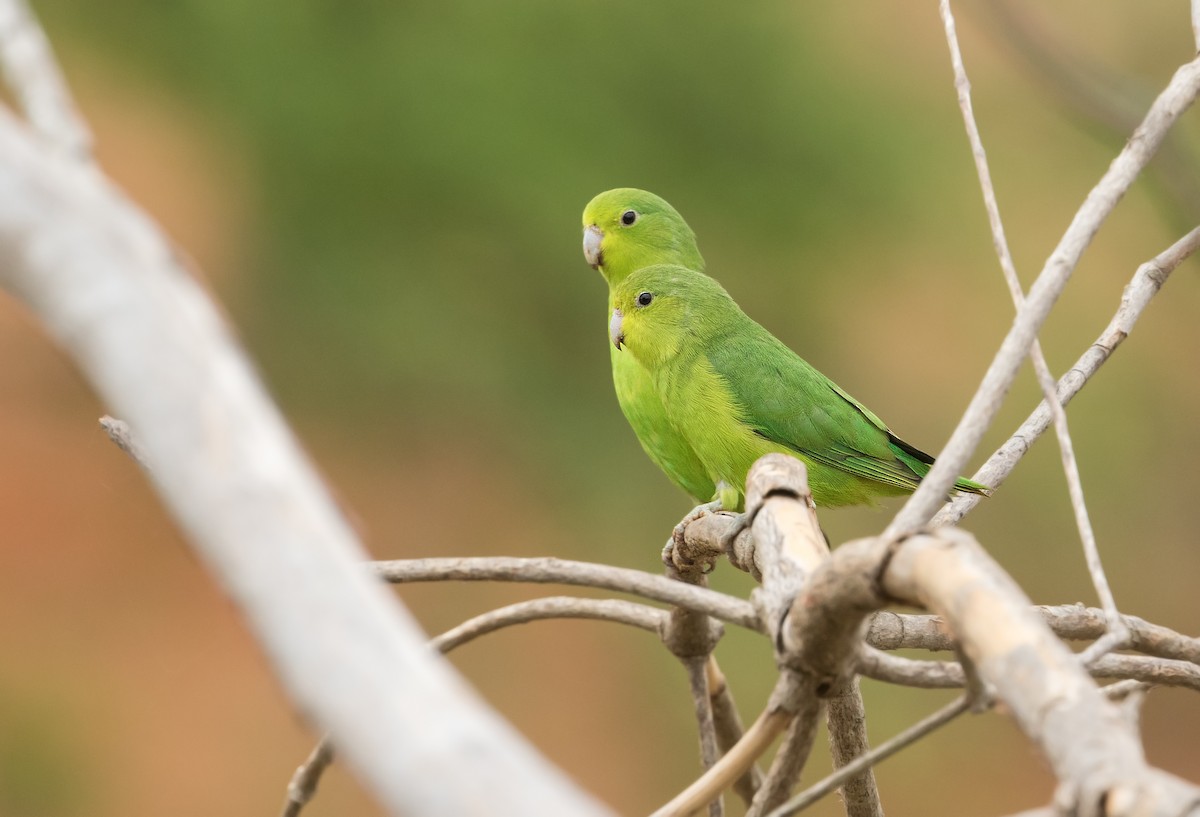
[(846, 717), (32, 72), (1041, 368), (729, 729), (865, 761), (1144, 285), (1196, 23), (565, 571), (893, 631), (1153, 671), (1177, 97), (304, 782), (758, 739), (1042, 684), (118, 431), (103, 281), (615, 610), (892, 669), (790, 759)]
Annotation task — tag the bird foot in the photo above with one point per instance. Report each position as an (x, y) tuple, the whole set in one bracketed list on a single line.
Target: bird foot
[(673, 553)]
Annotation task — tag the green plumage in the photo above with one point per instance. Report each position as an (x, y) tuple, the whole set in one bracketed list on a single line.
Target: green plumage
[(733, 392), (657, 235)]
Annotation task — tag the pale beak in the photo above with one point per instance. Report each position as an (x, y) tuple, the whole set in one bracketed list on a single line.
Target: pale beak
[(614, 328), (592, 238)]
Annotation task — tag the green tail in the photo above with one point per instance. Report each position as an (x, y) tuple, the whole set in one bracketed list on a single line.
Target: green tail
[(920, 462)]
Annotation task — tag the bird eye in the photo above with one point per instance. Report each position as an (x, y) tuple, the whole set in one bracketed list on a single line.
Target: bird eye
[(645, 298), (629, 217)]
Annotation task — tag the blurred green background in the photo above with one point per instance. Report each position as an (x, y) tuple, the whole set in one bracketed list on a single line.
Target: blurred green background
[(386, 198)]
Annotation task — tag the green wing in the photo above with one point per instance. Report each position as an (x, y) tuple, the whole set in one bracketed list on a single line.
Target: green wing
[(790, 403)]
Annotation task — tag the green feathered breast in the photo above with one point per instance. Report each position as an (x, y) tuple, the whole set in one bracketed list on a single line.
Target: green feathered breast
[(655, 234)]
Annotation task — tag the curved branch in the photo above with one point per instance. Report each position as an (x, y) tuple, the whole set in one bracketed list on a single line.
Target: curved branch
[(896, 631), (548, 570), (615, 610)]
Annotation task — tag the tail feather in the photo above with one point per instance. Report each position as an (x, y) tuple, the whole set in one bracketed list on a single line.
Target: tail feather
[(920, 462)]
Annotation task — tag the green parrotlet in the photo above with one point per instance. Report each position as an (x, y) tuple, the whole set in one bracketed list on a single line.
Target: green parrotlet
[(624, 230), (733, 392)]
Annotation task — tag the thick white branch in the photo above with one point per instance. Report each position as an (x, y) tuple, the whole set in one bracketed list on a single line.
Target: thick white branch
[(32, 73), (102, 279)]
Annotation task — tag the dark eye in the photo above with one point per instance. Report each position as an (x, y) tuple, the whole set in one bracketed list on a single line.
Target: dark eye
[(644, 299), (629, 217)]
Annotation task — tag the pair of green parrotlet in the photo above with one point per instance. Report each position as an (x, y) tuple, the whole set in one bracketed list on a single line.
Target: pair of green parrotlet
[(708, 391)]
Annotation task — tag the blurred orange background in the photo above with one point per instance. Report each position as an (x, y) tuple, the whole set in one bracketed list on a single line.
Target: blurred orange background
[(386, 199)]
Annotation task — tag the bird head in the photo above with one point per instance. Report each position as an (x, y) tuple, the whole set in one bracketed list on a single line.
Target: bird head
[(626, 229), (659, 310)]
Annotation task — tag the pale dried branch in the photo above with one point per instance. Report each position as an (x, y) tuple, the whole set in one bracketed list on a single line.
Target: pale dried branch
[(758, 738), (546, 570), (1166, 109), (872, 758), (1048, 693), (788, 546), (846, 717), (1039, 680), (118, 431), (894, 631), (1153, 671), (1117, 633), (104, 282), (728, 725), (1145, 284), (702, 706), (893, 669), (1196, 23), (303, 784), (34, 76), (551, 607), (789, 759)]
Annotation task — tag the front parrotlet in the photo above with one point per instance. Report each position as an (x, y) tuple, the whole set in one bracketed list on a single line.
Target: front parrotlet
[(625, 230), (731, 392)]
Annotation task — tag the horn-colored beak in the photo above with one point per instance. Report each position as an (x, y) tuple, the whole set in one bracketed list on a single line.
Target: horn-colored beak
[(593, 236), (614, 328)]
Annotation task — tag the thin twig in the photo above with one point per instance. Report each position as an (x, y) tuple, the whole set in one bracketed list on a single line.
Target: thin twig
[(1117, 633), (34, 76), (728, 724), (894, 631), (702, 706), (119, 432), (790, 759), (564, 571), (950, 675), (304, 782), (551, 607), (1100, 202), (1145, 284), (757, 740), (884, 750)]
